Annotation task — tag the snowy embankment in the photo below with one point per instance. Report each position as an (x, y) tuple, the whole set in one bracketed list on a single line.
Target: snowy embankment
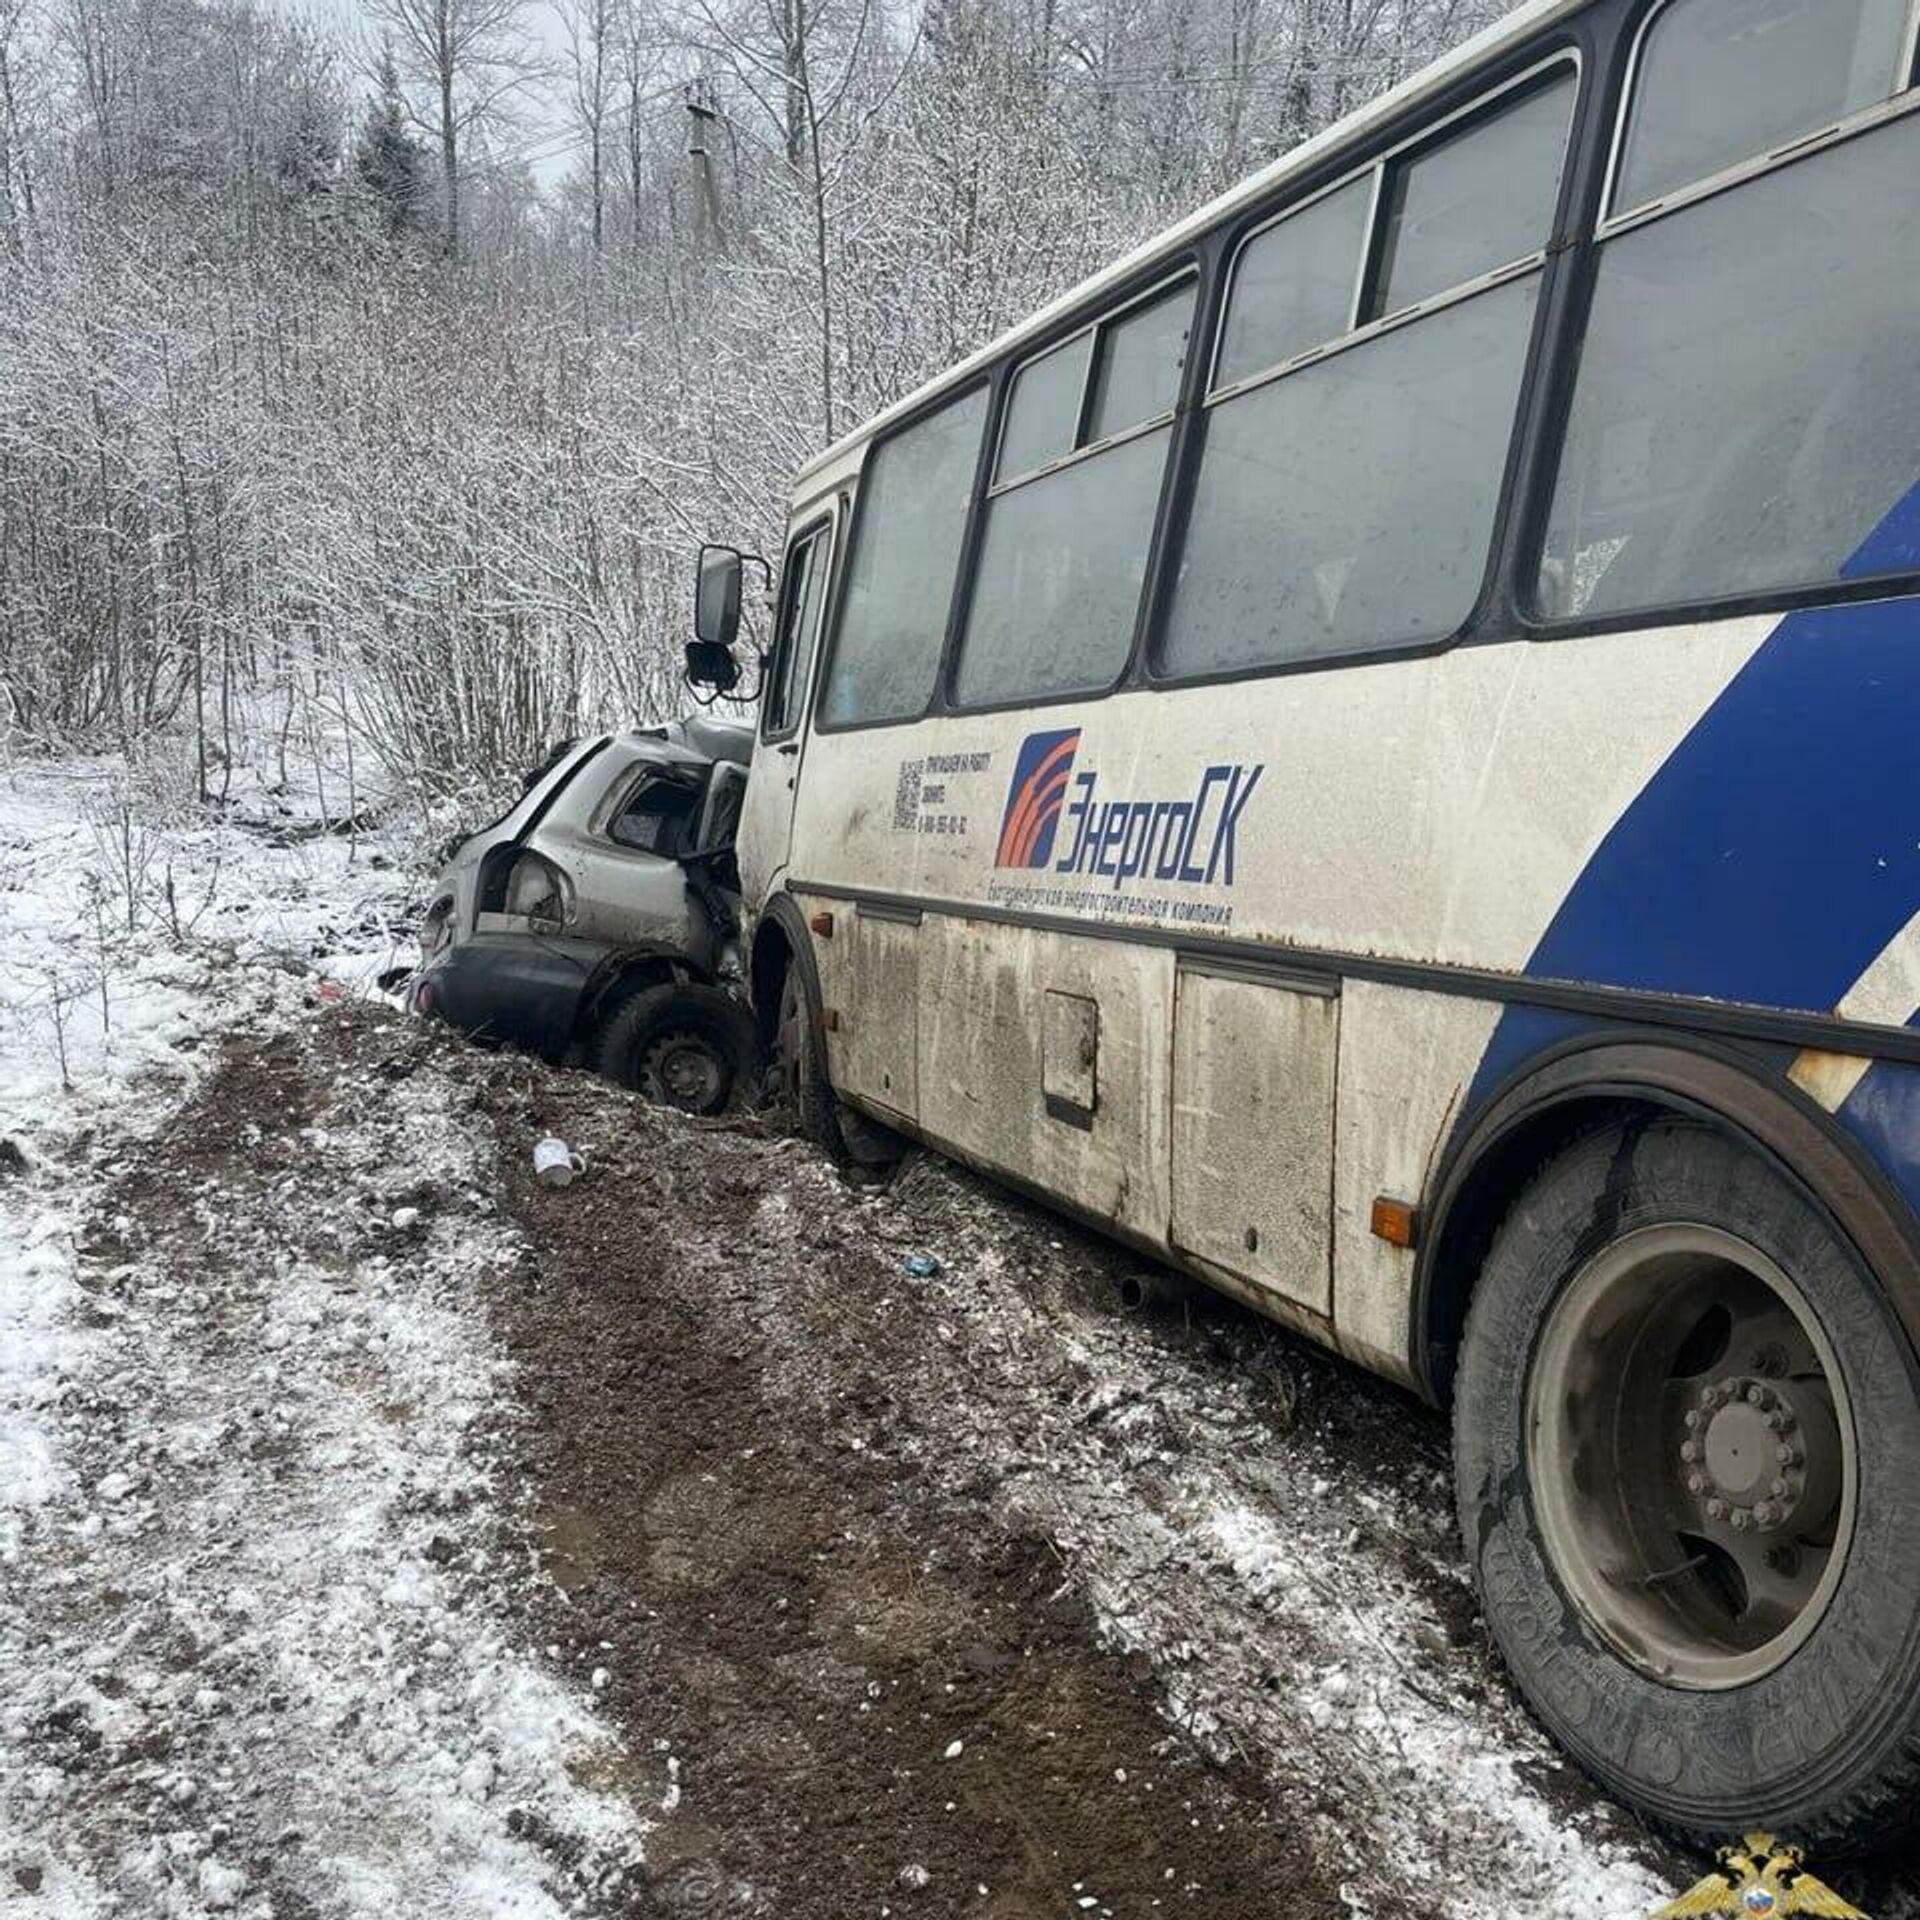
[(242, 1667)]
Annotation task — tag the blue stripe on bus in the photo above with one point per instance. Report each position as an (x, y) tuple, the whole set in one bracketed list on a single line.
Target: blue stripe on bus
[(1883, 1114), (1777, 850), (1893, 546)]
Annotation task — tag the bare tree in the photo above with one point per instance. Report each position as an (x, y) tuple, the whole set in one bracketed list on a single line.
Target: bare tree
[(596, 31), (475, 59), (16, 159)]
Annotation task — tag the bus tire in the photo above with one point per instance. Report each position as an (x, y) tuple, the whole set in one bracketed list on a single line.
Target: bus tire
[(679, 1045), (1687, 1454), (847, 1139)]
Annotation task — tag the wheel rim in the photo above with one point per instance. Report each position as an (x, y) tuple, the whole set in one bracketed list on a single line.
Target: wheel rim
[(1690, 1451), (792, 1036), (684, 1069)]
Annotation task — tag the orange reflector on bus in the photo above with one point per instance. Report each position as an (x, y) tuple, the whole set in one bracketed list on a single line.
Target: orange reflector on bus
[(822, 924), (1395, 1221)]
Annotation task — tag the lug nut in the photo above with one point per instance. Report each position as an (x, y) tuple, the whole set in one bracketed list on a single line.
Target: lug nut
[(1696, 1483), (1716, 1509), (1757, 1394), (1691, 1451), (1765, 1514), (1784, 1454), (1742, 1519), (1693, 1420)]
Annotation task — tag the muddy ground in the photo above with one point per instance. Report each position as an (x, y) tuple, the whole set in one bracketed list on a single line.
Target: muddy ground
[(958, 1594)]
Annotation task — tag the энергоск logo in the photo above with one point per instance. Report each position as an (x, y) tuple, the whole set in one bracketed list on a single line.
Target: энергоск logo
[(1189, 839)]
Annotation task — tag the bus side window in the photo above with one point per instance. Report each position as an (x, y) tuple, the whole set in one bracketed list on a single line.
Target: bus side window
[(908, 523), (1070, 518), (1745, 417), (1721, 81), (1044, 412), (801, 593), (1345, 503), (1293, 285)]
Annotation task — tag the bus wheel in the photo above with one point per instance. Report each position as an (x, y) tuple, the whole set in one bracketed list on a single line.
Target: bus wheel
[(1687, 1441), (800, 1082)]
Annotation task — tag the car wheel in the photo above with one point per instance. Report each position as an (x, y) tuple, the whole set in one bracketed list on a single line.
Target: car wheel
[(682, 1046), (1687, 1442)]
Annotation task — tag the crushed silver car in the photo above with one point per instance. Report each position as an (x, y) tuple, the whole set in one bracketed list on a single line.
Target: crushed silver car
[(596, 922)]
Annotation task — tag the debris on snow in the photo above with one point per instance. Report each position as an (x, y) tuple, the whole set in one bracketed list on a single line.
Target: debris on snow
[(556, 1163)]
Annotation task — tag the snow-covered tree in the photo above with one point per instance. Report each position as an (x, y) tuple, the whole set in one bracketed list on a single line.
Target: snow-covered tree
[(388, 161)]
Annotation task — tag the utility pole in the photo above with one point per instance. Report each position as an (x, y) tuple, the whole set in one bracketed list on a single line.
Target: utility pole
[(708, 229)]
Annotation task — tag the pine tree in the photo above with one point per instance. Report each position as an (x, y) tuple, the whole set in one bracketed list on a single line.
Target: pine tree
[(307, 165), (389, 162)]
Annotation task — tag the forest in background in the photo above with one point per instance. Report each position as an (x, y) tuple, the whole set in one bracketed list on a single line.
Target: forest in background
[(363, 398)]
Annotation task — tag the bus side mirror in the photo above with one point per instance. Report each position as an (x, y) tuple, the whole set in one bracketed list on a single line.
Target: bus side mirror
[(716, 620)]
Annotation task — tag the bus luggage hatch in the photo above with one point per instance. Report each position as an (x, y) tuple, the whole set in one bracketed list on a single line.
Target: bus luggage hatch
[(1253, 1092)]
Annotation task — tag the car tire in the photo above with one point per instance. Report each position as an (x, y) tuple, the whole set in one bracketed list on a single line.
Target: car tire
[(679, 1045), (1769, 1675), (800, 1080)]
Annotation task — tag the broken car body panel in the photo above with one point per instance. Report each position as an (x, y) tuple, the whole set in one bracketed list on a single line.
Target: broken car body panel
[(619, 856)]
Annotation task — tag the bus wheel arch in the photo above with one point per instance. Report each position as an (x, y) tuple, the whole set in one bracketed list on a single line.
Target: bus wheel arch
[(775, 947), (1589, 1085), (788, 1010)]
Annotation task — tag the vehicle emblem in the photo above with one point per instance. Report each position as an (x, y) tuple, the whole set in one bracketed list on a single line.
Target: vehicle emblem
[(1035, 796)]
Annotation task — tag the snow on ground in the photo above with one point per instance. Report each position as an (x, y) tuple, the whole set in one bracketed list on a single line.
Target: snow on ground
[(120, 925), (246, 1664)]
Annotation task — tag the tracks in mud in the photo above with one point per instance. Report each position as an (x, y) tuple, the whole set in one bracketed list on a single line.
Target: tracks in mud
[(1186, 1593), (248, 1662), (877, 1696)]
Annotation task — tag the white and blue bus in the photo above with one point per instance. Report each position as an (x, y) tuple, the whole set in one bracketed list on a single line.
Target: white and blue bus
[(1369, 751)]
